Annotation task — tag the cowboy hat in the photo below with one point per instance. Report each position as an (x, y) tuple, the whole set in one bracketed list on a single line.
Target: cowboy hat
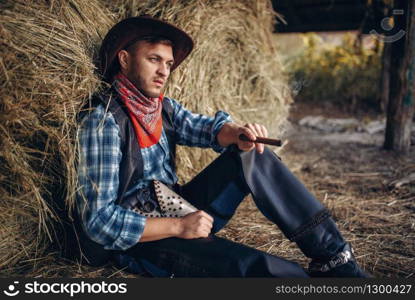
[(127, 31)]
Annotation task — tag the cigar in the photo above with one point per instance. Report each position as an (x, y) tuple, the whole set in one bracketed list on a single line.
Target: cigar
[(261, 140)]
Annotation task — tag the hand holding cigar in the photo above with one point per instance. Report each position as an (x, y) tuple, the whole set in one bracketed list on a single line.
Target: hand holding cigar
[(266, 141)]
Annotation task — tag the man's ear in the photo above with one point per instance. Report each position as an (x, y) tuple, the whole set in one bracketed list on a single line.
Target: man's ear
[(123, 59)]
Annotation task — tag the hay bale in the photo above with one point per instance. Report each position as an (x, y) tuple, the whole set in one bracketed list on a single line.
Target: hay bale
[(46, 72)]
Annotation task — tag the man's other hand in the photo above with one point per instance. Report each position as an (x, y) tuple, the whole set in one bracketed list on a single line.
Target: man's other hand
[(195, 225)]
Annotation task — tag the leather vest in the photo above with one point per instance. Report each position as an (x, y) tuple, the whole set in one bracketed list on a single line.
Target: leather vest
[(130, 171)]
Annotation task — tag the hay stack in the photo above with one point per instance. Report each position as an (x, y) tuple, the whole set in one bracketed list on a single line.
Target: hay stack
[(46, 72)]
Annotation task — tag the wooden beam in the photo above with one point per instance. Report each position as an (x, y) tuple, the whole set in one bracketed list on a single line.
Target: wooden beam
[(329, 15), (340, 26), (280, 4), (401, 96), (321, 16), (385, 77)]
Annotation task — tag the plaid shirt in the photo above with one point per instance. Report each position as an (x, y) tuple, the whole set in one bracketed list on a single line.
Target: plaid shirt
[(98, 170)]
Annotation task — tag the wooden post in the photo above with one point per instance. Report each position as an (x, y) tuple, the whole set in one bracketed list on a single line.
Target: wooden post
[(401, 95), (385, 77)]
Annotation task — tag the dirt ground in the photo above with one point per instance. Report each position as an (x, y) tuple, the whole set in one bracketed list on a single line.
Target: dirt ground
[(354, 179)]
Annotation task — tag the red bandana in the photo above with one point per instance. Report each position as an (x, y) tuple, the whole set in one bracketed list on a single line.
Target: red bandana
[(145, 113)]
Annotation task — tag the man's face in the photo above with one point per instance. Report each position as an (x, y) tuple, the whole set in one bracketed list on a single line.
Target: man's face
[(148, 66)]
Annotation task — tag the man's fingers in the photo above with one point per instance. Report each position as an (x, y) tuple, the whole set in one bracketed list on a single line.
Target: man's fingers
[(205, 233), (259, 131), (245, 145), (252, 131), (206, 224), (247, 130), (207, 228), (206, 216), (259, 147), (264, 131), (256, 130)]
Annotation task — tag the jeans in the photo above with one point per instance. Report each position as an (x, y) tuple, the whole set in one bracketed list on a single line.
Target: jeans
[(218, 190)]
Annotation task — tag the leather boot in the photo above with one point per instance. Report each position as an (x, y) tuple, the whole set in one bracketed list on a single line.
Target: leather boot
[(343, 264), (285, 201)]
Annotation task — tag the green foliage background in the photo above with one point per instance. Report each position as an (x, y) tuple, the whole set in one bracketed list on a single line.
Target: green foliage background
[(346, 74)]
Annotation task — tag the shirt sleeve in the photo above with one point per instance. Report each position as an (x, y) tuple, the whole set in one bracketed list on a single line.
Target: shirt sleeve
[(105, 222), (196, 129)]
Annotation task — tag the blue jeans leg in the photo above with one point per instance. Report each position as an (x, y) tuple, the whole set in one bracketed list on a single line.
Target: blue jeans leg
[(218, 189)]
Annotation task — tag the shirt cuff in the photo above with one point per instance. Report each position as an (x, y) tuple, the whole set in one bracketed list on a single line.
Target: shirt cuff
[(130, 233), (221, 118)]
